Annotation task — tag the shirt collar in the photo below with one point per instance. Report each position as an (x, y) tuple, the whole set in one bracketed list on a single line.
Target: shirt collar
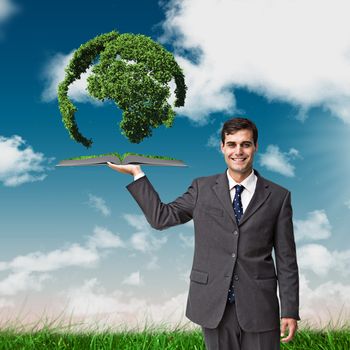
[(248, 182)]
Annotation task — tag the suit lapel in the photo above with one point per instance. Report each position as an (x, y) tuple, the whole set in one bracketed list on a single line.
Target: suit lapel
[(222, 192), (261, 193)]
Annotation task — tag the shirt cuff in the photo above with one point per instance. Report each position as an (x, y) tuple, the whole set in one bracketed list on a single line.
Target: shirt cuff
[(138, 176)]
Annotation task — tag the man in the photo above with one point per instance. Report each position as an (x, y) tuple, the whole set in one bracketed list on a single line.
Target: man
[(239, 217)]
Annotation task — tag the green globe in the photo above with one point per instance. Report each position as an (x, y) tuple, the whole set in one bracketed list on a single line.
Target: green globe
[(134, 71)]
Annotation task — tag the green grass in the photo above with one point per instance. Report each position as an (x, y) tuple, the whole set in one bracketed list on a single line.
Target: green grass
[(120, 156), (153, 339), (320, 340), (47, 339)]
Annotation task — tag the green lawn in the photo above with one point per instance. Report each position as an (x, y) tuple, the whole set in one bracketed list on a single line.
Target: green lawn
[(121, 156), (153, 339)]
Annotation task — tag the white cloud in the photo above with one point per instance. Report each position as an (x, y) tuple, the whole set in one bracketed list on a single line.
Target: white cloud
[(99, 204), (342, 261), (322, 261), (6, 303), (171, 311), (316, 226), (207, 93), (153, 263), (100, 308), (137, 221), (31, 270), (280, 49), (7, 9), (294, 153), (347, 203), (103, 238), (214, 140), (84, 300), (184, 275), (315, 257), (28, 272), (275, 160), (54, 73), (20, 281), (145, 240), (19, 163), (75, 255), (325, 305), (134, 279), (187, 241)]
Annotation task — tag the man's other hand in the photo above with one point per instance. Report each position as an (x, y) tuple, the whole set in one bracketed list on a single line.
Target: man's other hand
[(130, 169), (292, 325)]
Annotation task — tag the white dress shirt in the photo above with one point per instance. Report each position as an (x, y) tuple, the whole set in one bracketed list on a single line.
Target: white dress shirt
[(249, 184), (138, 176)]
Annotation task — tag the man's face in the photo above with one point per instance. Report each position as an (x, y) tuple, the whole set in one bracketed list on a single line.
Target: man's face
[(239, 150)]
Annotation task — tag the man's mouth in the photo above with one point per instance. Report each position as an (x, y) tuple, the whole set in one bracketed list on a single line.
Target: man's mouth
[(238, 160)]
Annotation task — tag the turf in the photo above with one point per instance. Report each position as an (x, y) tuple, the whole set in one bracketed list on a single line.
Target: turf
[(155, 339), (120, 156)]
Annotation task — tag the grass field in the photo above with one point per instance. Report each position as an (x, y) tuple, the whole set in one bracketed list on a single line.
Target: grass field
[(152, 339), (121, 156)]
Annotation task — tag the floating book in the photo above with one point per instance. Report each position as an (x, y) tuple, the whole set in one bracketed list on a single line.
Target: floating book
[(125, 159)]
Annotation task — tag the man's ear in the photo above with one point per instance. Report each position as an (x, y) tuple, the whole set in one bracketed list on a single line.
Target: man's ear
[(256, 147), (221, 147)]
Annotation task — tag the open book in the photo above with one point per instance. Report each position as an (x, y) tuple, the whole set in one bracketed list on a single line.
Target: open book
[(126, 158)]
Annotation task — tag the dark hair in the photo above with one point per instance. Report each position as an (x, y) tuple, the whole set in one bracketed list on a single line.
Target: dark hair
[(233, 125)]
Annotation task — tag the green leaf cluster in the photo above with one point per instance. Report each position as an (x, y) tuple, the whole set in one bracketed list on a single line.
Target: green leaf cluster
[(134, 71)]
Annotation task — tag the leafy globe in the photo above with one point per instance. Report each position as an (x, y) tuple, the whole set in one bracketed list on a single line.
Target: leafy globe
[(132, 70)]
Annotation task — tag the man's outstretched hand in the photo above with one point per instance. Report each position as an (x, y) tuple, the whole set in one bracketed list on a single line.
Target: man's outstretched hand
[(130, 169), (292, 325)]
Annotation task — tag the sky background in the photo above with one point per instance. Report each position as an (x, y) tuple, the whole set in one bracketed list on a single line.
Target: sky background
[(73, 241)]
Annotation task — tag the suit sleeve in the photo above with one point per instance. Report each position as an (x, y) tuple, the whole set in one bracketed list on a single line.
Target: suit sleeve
[(161, 215), (286, 262)]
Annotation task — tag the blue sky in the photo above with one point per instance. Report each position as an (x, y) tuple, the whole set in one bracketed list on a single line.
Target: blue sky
[(73, 239)]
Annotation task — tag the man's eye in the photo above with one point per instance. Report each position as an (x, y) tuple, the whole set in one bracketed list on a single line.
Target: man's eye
[(246, 145)]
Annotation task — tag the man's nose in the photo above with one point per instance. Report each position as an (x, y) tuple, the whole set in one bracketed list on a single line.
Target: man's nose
[(238, 149)]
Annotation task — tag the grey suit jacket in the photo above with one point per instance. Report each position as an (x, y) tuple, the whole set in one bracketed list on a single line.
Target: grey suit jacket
[(225, 250)]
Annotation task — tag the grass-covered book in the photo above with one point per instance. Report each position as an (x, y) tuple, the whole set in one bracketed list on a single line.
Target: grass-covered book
[(126, 158)]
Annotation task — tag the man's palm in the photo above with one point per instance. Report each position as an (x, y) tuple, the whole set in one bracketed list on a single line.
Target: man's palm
[(130, 169)]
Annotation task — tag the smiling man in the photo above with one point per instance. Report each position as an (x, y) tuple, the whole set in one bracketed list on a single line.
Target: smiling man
[(239, 219)]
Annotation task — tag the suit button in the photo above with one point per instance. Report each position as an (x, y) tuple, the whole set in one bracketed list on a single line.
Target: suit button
[(236, 277), (235, 233), (233, 255)]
